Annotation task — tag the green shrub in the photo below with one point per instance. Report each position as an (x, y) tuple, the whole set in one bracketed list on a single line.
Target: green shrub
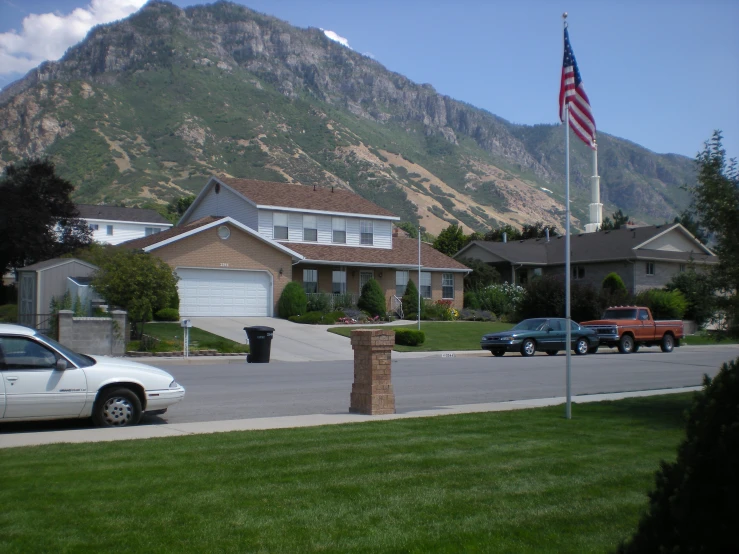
[(167, 314), (9, 313), (502, 300), (585, 302), (372, 299), (174, 301), (409, 337), (344, 300), (471, 301), (544, 297), (663, 304), (319, 302), (8, 294), (693, 507), (317, 318), (613, 283), (293, 301), (699, 294), (410, 301)]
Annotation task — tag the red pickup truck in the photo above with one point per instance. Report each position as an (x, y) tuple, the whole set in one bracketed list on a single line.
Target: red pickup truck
[(629, 327)]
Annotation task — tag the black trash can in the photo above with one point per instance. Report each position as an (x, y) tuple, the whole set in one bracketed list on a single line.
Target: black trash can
[(260, 342)]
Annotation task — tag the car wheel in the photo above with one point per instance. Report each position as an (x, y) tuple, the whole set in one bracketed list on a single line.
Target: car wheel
[(498, 353), (581, 347), (593, 350), (528, 348), (552, 352), (626, 344), (668, 343), (117, 408)]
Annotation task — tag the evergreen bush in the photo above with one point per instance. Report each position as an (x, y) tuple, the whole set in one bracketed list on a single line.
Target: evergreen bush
[(694, 507), (699, 295), (372, 299), (410, 301), (613, 283), (293, 301), (409, 337)]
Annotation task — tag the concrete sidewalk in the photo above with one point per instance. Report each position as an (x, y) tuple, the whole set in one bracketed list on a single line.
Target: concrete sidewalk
[(182, 429)]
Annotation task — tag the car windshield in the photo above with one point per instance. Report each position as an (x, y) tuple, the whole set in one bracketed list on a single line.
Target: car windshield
[(80, 360), (529, 325), (619, 314)]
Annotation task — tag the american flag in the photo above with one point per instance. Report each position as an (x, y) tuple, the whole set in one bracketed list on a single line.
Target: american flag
[(572, 94)]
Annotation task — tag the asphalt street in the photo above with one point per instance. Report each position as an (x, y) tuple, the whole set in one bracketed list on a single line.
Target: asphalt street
[(230, 390), (239, 390)]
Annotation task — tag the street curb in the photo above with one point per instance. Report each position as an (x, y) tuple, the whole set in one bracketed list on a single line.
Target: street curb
[(291, 422)]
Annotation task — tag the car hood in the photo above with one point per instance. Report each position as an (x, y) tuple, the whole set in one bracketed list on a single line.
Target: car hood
[(107, 366)]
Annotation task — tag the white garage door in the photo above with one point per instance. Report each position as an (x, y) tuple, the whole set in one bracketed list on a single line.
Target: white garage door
[(216, 292)]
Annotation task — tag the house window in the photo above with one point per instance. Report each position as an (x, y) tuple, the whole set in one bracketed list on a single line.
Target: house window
[(578, 272), (310, 280), (338, 227), (401, 282), (279, 222), (109, 230), (650, 268), (366, 232), (426, 284), (338, 281), (682, 268), (310, 228), (151, 231), (447, 285), (94, 226)]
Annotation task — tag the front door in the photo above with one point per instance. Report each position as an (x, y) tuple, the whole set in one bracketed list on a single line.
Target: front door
[(33, 385), (364, 277)]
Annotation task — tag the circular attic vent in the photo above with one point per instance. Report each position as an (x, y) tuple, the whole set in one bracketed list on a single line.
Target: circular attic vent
[(224, 232)]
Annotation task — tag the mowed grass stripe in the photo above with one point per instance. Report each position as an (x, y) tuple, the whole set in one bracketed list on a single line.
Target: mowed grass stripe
[(524, 481)]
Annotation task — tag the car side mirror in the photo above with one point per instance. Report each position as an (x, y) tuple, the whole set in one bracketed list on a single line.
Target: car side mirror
[(61, 364)]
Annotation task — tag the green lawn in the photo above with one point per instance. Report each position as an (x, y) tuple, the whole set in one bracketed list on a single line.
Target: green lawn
[(708, 337), (441, 335), (170, 335), (524, 481)]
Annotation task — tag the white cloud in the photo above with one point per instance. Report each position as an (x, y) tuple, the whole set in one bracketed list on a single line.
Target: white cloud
[(335, 37), (47, 36)]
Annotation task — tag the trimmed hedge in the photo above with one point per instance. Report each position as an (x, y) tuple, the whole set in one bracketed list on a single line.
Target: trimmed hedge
[(167, 314), (317, 318), (409, 337)]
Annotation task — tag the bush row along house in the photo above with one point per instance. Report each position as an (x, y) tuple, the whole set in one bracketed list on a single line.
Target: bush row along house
[(644, 257), (242, 241)]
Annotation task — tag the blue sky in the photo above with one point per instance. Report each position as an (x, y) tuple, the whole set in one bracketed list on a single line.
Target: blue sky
[(660, 73)]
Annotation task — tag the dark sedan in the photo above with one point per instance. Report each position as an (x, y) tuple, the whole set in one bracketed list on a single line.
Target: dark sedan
[(546, 334)]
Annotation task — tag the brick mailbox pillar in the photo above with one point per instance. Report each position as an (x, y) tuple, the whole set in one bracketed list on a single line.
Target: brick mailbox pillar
[(372, 391)]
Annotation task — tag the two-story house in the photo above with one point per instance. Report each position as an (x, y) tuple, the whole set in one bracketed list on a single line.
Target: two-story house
[(116, 224), (242, 241)]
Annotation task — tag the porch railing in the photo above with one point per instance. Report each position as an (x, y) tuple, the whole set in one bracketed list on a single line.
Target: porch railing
[(396, 306), (332, 302)]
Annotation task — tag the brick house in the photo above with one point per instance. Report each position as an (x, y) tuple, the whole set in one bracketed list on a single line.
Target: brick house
[(243, 240), (644, 257)]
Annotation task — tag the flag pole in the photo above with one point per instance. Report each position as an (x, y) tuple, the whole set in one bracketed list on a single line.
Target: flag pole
[(568, 273), (418, 315)]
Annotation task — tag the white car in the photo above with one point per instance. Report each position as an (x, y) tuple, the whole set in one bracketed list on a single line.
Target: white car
[(42, 379)]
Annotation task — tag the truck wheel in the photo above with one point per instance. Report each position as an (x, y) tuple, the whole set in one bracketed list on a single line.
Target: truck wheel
[(668, 343), (626, 344), (528, 348), (117, 408)]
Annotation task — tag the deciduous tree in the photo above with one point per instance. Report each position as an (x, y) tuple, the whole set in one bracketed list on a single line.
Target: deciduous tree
[(450, 240), (38, 219)]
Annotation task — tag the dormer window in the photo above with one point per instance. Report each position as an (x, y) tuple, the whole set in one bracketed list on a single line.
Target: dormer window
[(366, 232), (310, 228), (280, 226), (338, 227)]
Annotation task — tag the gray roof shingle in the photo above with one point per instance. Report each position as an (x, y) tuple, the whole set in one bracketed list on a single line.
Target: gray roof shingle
[(119, 213)]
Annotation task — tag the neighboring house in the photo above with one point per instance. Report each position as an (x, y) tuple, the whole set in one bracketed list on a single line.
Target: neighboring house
[(39, 283), (115, 224), (242, 241), (644, 257)]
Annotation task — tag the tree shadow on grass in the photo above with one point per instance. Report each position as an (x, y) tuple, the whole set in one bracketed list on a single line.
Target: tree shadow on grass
[(666, 411)]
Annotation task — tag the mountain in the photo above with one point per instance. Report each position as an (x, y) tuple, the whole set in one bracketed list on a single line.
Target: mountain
[(145, 109)]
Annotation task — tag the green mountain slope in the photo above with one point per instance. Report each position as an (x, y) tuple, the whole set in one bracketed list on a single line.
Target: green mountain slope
[(144, 110)]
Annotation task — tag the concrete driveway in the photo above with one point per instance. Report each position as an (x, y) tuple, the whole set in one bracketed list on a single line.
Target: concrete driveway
[(291, 342)]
